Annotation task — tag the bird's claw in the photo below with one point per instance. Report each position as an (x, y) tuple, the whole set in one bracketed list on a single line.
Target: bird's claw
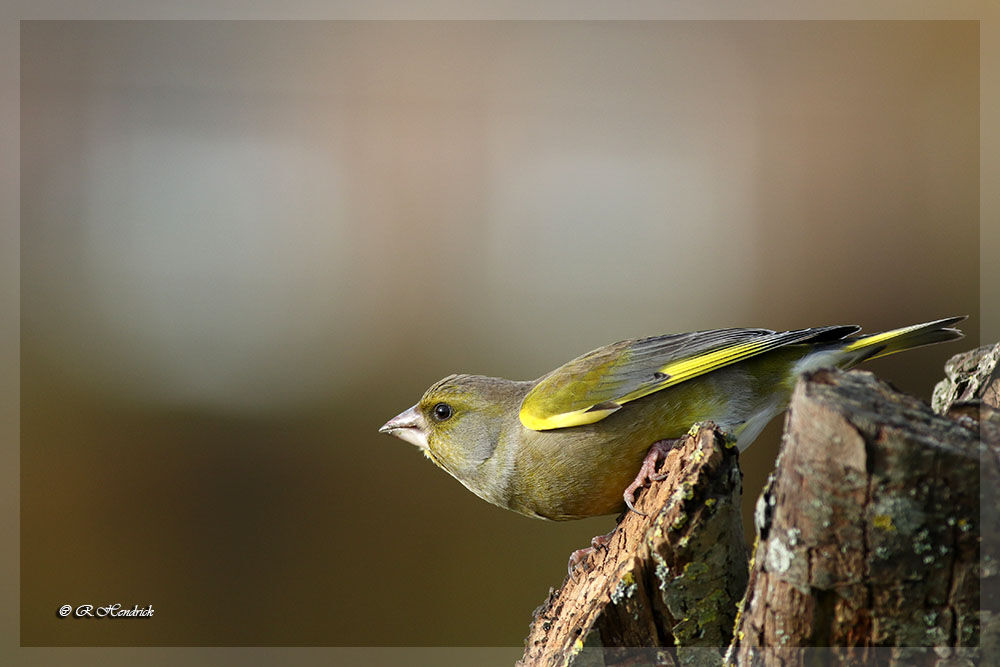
[(648, 472), (579, 557)]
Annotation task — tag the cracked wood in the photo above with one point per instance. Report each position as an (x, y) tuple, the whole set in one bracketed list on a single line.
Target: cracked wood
[(868, 530), (665, 589)]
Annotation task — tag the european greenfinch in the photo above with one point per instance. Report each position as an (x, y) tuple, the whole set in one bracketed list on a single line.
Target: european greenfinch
[(582, 440)]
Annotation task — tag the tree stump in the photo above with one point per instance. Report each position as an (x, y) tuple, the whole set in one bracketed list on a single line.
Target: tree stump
[(868, 532), (868, 541), (665, 589)]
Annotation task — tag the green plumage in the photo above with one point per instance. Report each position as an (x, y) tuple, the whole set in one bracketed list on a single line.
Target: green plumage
[(565, 446)]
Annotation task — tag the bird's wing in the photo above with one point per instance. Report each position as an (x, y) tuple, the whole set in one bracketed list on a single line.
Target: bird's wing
[(589, 388)]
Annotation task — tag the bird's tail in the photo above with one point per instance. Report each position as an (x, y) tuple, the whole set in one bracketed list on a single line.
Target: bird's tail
[(889, 342)]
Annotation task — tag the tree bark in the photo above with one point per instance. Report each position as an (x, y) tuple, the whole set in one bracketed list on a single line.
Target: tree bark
[(868, 532), (969, 377), (665, 589), (868, 540), (970, 393)]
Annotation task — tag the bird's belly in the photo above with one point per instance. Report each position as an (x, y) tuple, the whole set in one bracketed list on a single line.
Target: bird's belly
[(582, 471)]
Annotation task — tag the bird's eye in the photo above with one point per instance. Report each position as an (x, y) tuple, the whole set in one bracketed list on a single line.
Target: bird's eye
[(442, 411)]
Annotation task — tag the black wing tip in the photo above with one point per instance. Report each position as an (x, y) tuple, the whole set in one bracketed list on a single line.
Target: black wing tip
[(839, 332), (943, 327), (938, 331), (948, 321)]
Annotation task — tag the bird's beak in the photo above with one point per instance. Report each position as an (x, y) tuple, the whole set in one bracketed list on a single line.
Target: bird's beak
[(409, 426)]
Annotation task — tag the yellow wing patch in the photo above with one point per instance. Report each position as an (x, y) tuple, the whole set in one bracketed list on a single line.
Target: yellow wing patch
[(563, 420), (684, 369), (534, 415)]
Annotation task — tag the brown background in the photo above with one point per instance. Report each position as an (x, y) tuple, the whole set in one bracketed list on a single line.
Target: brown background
[(245, 246)]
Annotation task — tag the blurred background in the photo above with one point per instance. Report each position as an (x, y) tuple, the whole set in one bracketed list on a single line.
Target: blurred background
[(247, 245)]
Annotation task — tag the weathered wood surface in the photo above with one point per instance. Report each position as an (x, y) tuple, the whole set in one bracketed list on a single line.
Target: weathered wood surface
[(868, 532), (876, 530), (665, 589), (970, 393), (969, 377)]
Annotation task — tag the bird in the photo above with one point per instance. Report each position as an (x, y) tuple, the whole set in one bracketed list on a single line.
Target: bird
[(582, 440)]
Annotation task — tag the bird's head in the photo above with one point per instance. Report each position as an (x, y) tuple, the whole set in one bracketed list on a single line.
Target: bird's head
[(458, 421)]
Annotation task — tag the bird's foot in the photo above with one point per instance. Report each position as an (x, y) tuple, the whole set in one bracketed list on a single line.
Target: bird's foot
[(579, 557), (649, 471)]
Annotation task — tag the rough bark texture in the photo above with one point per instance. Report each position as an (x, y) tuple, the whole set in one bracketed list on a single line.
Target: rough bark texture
[(970, 393), (665, 589), (877, 528), (969, 377), (868, 532)]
